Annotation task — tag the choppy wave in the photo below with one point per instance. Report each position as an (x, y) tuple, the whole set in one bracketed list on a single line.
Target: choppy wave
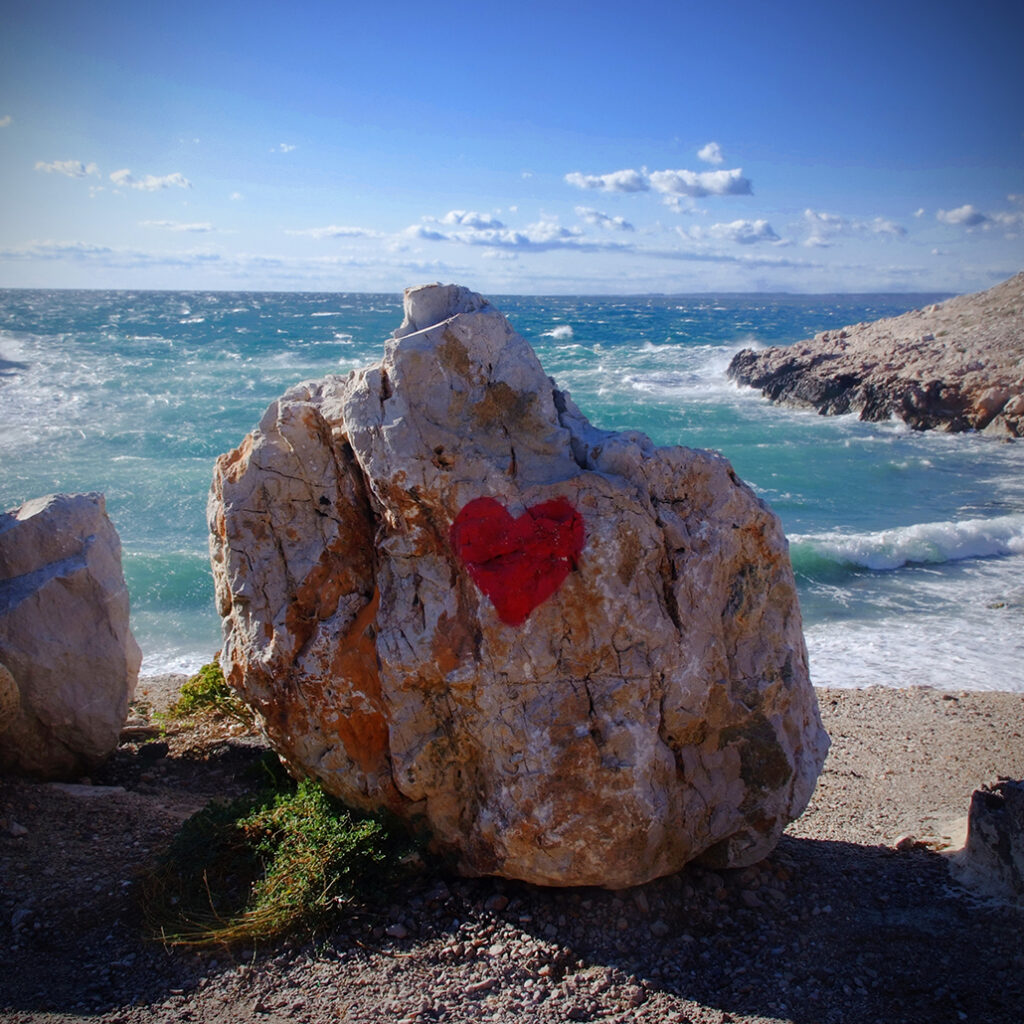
[(923, 543), (560, 333), (135, 394)]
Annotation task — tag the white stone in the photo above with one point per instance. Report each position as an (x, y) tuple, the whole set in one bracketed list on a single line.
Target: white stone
[(64, 635)]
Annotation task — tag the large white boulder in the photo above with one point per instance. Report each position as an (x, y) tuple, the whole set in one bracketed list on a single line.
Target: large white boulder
[(575, 657), (71, 660)]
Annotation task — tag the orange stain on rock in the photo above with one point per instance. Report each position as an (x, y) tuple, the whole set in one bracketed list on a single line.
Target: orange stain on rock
[(236, 462)]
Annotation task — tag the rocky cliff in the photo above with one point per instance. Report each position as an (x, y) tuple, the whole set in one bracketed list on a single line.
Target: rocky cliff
[(955, 366), (574, 657)]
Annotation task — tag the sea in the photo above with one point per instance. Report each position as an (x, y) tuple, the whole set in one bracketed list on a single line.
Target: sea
[(908, 547)]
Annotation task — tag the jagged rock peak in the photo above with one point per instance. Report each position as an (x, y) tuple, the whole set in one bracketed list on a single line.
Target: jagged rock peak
[(428, 305)]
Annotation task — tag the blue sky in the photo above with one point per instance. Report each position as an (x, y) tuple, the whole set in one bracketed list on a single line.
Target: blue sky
[(522, 147)]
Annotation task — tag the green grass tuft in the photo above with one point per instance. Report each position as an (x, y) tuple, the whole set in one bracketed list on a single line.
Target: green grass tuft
[(266, 865), (207, 692)]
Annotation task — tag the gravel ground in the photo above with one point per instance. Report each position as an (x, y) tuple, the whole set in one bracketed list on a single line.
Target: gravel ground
[(855, 917)]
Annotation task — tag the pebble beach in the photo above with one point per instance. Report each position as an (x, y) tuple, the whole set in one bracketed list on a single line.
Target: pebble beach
[(856, 917)]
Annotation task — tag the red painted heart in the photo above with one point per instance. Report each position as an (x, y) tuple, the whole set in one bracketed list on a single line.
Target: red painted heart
[(518, 563)]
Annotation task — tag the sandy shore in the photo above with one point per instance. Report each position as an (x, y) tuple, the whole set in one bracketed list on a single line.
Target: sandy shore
[(837, 925)]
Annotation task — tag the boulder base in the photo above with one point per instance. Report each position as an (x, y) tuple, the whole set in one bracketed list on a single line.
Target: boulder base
[(71, 660), (993, 859), (574, 657)]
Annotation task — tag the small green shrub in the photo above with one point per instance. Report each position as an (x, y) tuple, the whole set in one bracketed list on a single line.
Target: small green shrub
[(207, 692), (268, 864)]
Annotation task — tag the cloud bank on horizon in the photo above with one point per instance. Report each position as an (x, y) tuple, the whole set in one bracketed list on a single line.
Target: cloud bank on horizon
[(613, 181)]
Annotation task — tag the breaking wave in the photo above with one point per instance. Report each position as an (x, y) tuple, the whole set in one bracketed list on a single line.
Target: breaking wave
[(923, 543), (563, 332)]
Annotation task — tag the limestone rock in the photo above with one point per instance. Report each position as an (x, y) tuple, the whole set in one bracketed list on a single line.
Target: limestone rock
[(10, 698), (575, 657), (64, 635), (955, 366), (993, 859)]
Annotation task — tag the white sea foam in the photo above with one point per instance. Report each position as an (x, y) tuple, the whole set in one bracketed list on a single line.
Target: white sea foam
[(946, 652), (924, 543), (560, 333), (954, 627), (11, 348)]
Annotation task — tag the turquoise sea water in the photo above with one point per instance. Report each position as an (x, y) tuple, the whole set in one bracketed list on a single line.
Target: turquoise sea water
[(908, 548)]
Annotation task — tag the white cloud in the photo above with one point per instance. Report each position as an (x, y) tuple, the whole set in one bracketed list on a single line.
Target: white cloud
[(616, 181), (334, 231), (240, 266), (692, 184), (470, 219), (544, 235), (235, 197), (55, 251), (71, 168), (1011, 220), (603, 220), (6, 121), (424, 234), (883, 226), (697, 184), (824, 227), (704, 255), (125, 259), (711, 153), (173, 225), (284, 147), (970, 217), (967, 216), (680, 204), (744, 232), (919, 212), (545, 231), (151, 182)]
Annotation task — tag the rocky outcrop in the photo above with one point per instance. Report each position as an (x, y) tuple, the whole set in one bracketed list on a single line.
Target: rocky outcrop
[(575, 657), (955, 366), (72, 662), (992, 861)]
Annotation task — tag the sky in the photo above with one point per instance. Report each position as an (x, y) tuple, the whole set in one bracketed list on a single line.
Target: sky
[(517, 147)]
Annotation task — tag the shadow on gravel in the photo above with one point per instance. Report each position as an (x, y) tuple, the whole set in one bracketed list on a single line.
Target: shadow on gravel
[(819, 933), (71, 931)]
